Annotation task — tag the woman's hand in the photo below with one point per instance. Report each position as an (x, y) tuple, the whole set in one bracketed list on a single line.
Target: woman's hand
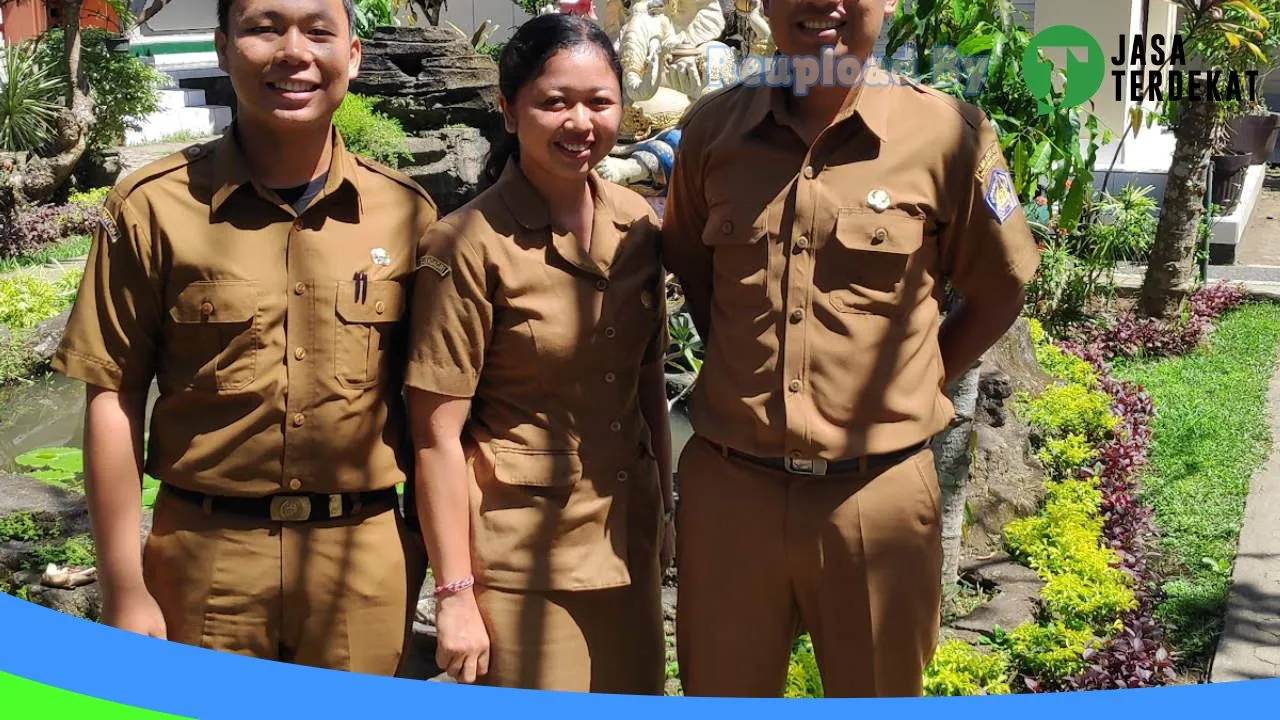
[(462, 641)]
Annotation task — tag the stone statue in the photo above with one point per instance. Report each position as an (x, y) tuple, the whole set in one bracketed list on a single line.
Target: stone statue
[(671, 55)]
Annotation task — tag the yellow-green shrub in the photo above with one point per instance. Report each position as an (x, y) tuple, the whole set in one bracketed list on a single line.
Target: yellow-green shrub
[(1063, 410), (1051, 652), (961, 669), (1059, 364), (1062, 456), (803, 677)]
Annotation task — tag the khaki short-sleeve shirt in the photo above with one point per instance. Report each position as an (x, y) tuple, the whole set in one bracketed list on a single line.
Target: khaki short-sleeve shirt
[(548, 340), (819, 270), (277, 370)]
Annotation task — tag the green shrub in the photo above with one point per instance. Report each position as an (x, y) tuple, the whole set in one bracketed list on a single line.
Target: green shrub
[(1063, 410), (369, 133), (27, 299), (89, 198), (803, 677), (28, 526), (1051, 652), (77, 551), (1062, 456), (124, 89), (958, 668)]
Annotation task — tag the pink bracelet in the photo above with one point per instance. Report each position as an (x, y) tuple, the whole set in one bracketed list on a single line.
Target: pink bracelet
[(454, 587)]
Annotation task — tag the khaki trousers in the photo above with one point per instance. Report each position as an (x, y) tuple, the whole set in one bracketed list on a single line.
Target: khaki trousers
[(338, 594), (854, 559), (597, 641)]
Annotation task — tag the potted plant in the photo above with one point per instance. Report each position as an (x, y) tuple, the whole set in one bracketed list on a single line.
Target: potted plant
[(1254, 132), (1230, 164)]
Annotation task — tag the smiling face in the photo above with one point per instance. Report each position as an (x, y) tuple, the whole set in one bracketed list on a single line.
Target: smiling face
[(290, 61), (566, 118), (805, 27)]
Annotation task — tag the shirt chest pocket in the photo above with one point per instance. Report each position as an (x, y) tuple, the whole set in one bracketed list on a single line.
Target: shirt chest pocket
[(365, 330), (216, 334), (740, 250), (871, 265)]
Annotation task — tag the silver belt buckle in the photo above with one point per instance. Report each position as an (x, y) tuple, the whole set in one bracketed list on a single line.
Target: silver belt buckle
[(806, 466), (290, 508)]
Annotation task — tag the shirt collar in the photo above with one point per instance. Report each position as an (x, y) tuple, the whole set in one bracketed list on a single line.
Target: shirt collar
[(529, 208), (231, 171), (869, 101)]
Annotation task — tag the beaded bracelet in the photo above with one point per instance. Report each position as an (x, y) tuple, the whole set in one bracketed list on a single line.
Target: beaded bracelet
[(455, 587)]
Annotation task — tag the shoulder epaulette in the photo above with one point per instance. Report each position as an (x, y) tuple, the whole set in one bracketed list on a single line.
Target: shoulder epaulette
[(163, 166), (396, 176), (970, 112)]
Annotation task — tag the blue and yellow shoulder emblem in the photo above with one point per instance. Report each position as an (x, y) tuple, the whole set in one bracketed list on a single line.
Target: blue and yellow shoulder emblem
[(1000, 195)]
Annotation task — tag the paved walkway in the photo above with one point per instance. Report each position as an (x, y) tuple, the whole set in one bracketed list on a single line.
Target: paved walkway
[(1249, 647)]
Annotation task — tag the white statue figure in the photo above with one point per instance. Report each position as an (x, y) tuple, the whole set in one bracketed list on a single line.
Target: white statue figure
[(671, 55)]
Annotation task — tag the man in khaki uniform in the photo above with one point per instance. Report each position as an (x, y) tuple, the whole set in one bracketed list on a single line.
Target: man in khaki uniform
[(812, 235), (262, 281)]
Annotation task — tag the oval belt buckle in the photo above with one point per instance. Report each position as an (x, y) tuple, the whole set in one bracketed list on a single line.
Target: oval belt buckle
[(290, 508)]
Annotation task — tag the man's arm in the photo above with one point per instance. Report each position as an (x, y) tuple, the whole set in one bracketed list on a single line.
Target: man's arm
[(974, 325), (683, 252), (113, 487)]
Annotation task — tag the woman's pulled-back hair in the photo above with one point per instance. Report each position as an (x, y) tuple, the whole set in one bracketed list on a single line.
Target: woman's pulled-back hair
[(523, 58)]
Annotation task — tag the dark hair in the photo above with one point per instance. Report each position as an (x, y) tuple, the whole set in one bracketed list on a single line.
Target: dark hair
[(523, 58), (224, 13)]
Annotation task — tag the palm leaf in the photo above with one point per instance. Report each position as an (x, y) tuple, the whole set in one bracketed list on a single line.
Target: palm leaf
[(30, 100)]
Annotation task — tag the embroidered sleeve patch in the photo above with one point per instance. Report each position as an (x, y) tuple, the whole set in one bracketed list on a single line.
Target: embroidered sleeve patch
[(989, 160), (436, 264), (1000, 195)]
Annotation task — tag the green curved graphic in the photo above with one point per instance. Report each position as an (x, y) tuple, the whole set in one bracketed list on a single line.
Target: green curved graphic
[(25, 698), (1083, 77)]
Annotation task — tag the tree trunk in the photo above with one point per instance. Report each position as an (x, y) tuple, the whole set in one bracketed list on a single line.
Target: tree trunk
[(953, 450), (39, 177), (1171, 269)]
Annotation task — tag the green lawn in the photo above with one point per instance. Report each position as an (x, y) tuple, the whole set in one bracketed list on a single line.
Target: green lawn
[(67, 249), (1210, 434)]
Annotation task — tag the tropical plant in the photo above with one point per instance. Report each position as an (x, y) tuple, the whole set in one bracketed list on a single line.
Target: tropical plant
[(124, 89), (973, 50), (372, 14), (1229, 35), (30, 98)]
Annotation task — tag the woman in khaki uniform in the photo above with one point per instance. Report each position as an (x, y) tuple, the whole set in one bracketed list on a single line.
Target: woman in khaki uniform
[(537, 398)]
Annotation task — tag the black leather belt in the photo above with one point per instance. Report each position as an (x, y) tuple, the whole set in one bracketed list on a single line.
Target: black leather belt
[(292, 507), (818, 466)]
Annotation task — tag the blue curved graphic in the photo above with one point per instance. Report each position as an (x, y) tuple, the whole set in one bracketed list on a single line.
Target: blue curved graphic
[(93, 660)]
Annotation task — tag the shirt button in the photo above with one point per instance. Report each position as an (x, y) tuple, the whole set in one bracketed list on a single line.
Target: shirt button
[(802, 242), (300, 353), (610, 377), (602, 284), (808, 172), (794, 386), (726, 227), (610, 332), (880, 235), (297, 224), (295, 484), (298, 419), (622, 476), (797, 315), (299, 288), (206, 308), (379, 307), (615, 426)]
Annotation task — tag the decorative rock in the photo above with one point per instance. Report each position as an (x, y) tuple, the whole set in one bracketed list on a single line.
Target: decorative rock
[(82, 602), (46, 336), (428, 78), (1017, 599), (448, 164), (24, 493)]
